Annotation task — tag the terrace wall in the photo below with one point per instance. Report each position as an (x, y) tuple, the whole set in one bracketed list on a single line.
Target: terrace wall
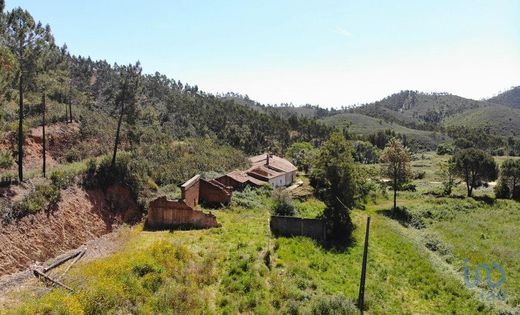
[(292, 226)]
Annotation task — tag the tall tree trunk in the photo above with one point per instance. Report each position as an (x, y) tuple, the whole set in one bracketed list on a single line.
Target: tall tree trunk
[(66, 112), (395, 194), (70, 101), (70, 109), (117, 134), (44, 109), (20, 130)]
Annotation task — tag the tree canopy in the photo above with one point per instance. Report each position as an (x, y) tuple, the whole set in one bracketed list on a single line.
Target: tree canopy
[(336, 180), (475, 167), (396, 159), (510, 177)]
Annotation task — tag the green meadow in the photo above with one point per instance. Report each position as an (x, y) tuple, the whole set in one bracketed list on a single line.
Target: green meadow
[(415, 266)]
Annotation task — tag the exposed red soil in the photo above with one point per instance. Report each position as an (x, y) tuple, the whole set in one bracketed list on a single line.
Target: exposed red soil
[(59, 136), (80, 217), (24, 282)]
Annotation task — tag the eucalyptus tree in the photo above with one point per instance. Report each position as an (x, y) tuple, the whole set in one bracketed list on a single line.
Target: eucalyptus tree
[(26, 39)]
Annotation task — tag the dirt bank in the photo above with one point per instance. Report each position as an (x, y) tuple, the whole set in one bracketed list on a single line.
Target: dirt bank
[(60, 137), (80, 217)]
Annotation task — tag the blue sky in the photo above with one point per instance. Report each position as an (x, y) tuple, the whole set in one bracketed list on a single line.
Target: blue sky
[(330, 53)]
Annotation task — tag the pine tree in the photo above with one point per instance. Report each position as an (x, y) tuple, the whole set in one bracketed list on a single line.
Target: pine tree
[(396, 158), (26, 39), (126, 99)]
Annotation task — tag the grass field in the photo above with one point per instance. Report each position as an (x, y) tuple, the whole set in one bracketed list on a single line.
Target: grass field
[(242, 268)]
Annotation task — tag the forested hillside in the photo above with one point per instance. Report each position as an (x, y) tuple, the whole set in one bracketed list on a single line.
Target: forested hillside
[(419, 110), (103, 97), (509, 98)]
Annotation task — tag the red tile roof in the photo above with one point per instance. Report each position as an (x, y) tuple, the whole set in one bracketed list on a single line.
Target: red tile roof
[(275, 162)]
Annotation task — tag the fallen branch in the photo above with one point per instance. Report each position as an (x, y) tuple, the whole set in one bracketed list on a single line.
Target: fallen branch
[(40, 274), (61, 261), (78, 257)]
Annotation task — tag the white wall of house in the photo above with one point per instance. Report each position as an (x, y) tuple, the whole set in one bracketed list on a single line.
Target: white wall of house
[(278, 181), (290, 178)]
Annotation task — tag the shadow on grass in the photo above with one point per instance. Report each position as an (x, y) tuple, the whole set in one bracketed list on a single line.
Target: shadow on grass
[(403, 216), (485, 199), (334, 246), (339, 246)]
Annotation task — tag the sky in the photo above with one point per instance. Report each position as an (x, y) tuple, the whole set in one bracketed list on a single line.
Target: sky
[(327, 53)]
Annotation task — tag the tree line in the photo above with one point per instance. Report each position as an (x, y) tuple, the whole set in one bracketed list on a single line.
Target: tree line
[(34, 64)]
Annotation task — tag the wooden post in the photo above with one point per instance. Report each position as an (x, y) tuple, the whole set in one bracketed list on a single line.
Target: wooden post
[(361, 297)]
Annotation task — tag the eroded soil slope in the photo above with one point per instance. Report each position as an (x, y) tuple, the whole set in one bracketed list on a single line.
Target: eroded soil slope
[(80, 216)]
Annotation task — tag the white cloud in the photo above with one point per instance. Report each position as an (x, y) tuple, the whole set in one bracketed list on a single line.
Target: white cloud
[(341, 31)]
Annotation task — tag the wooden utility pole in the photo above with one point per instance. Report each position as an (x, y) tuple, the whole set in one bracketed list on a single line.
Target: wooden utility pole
[(44, 109), (361, 297)]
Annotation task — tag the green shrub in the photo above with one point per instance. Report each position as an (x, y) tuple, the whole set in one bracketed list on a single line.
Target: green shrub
[(249, 198), (43, 198), (62, 179), (73, 155), (6, 159), (502, 191), (333, 305), (311, 208), (419, 175), (445, 148), (90, 177), (282, 204), (408, 187), (127, 170)]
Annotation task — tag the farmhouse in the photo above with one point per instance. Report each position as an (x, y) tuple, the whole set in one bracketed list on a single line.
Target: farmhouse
[(266, 169), (272, 169)]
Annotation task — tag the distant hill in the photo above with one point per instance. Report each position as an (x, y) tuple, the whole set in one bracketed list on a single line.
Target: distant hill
[(509, 98), (419, 110), (366, 125), (497, 120), (282, 110)]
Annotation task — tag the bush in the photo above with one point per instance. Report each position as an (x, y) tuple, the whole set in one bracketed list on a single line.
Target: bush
[(419, 175), (408, 187), (445, 148), (43, 198), (6, 159), (73, 155), (62, 179), (333, 305), (502, 191), (249, 198), (127, 170), (282, 203)]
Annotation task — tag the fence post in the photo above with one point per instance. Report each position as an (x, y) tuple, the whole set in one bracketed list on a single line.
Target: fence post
[(361, 297)]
